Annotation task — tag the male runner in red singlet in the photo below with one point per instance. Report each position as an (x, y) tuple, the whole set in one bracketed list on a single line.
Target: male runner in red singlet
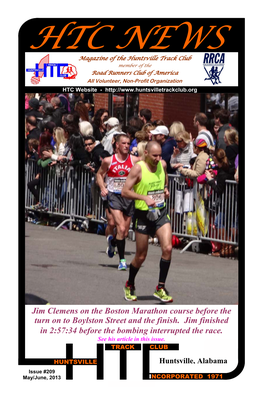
[(111, 178)]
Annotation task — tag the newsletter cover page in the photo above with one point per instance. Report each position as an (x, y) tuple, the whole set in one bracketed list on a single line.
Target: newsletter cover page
[(80, 318), (141, 78)]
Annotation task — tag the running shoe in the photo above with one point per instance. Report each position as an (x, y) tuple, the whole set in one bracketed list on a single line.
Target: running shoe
[(129, 291), (122, 265), (162, 294), (110, 250)]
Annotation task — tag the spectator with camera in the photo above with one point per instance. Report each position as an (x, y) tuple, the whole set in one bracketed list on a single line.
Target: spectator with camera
[(183, 153), (198, 168), (96, 151)]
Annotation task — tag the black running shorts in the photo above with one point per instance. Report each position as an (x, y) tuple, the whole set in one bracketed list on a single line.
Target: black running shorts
[(145, 226), (117, 202)]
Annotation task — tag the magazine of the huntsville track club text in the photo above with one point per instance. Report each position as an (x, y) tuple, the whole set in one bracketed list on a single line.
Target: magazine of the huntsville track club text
[(161, 57)]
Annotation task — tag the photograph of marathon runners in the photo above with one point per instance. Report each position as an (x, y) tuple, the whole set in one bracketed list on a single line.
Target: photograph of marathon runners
[(131, 198)]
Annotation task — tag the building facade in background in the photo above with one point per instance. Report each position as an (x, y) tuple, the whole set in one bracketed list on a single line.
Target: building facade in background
[(169, 107)]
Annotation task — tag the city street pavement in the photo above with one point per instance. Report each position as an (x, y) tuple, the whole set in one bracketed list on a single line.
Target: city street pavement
[(69, 267)]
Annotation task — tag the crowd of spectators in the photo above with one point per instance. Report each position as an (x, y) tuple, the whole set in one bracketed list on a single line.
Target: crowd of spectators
[(66, 128)]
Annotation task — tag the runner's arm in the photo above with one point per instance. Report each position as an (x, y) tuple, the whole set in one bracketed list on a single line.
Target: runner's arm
[(166, 186), (101, 175)]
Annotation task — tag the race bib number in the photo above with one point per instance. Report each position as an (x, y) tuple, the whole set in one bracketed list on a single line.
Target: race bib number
[(118, 185), (157, 196)]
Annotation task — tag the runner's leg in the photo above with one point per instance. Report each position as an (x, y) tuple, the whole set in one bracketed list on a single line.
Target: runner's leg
[(164, 235), (127, 224), (110, 223), (140, 256), (110, 234), (122, 223)]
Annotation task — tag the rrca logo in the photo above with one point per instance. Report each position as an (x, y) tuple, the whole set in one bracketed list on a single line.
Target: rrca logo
[(214, 64), (45, 68)]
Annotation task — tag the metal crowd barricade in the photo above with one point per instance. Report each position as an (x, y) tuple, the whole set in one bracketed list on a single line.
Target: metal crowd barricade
[(66, 191), (197, 213)]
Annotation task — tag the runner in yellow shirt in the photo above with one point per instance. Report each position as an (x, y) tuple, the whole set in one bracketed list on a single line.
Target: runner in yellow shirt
[(147, 184)]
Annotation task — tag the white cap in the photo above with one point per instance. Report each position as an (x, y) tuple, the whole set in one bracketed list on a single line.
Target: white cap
[(112, 122), (160, 130), (86, 128)]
